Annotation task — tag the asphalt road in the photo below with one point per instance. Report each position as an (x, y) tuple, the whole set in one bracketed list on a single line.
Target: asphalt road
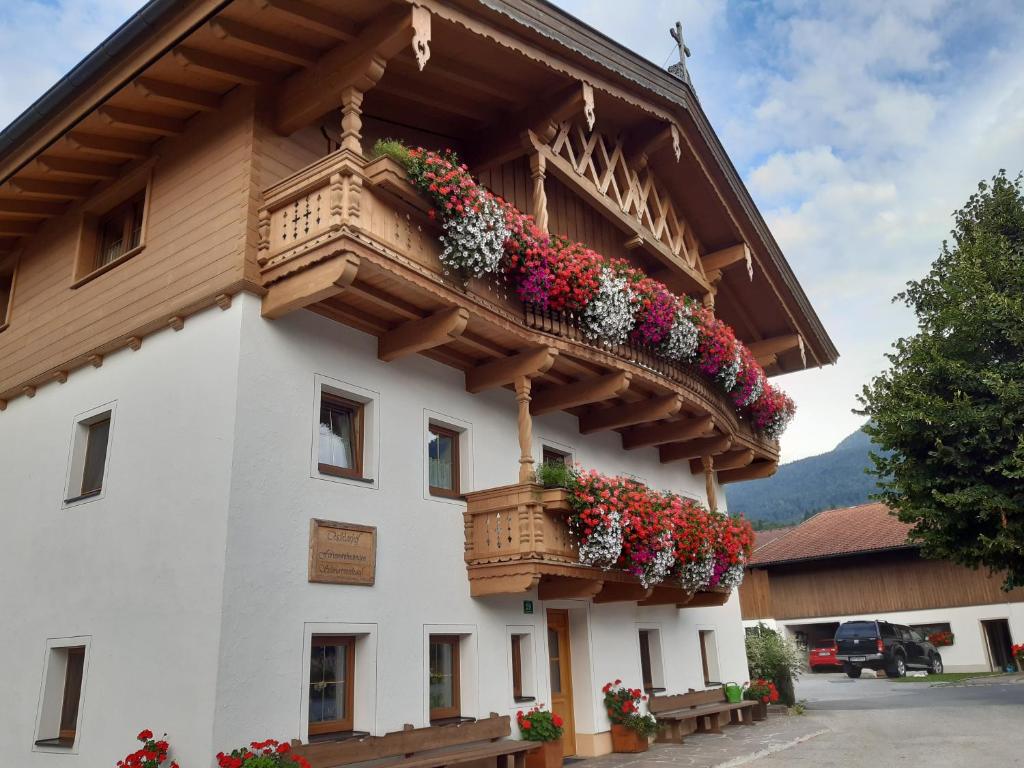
[(878, 724)]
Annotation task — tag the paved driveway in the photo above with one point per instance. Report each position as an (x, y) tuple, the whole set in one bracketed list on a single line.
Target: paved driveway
[(879, 723)]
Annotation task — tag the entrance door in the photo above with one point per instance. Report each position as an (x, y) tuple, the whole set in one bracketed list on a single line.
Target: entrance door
[(997, 636), (560, 665)]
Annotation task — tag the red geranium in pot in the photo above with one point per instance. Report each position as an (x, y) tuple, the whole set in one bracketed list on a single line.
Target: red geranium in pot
[(631, 731), (544, 726)]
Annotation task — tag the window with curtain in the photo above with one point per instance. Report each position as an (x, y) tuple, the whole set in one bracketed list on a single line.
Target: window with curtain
[(443, 461), (341, 436), (444, 677), (120, 231), (331, 684)]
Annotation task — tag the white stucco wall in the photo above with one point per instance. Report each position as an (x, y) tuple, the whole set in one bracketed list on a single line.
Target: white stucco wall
[(421, 583), (969, 652), (137, 571)]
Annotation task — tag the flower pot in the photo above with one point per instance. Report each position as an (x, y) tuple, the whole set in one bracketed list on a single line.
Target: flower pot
[(548, 756), (762, 710), (627, 740)]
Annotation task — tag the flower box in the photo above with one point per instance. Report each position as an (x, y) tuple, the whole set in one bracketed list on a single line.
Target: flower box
[(627, 740), (547, 755)]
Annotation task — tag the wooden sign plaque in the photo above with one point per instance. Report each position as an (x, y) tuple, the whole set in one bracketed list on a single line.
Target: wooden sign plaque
[(342, 553)]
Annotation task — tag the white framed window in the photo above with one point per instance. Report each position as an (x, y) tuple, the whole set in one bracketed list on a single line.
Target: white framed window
[(345, 435), (339, 679), (522, 665), (447, 457), (709, 657), (652, 668), (554, 451), (450, 672), (62, 694), (89, 455)]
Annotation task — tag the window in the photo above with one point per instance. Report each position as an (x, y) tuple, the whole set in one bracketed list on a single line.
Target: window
[(517, 667), (444, 677), (341, 436), (552, 456), (6, 291), (62, 695), (650, 660), (709, 657), (331, 684), (89, 451), (120, 230), (443, 459)]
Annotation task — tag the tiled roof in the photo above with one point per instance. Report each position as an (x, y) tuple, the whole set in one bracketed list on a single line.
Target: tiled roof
[(835, 532), (761, 538)]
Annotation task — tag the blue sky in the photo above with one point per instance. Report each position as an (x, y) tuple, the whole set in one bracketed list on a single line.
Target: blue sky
[(859, 128)]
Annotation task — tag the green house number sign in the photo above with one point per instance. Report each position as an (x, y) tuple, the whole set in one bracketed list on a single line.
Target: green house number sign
[(527, 606)]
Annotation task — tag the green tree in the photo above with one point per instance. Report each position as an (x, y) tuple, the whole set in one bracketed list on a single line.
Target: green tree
[(949, 412)]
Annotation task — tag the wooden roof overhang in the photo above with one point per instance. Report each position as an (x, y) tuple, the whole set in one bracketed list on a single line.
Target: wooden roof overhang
[(470, 69)]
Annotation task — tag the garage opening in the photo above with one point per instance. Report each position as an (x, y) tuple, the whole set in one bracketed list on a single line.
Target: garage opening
[(997, 637)]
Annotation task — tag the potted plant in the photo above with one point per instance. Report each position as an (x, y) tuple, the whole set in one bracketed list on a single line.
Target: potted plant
[(152, 753), (543, 726), (262, 754), (1018, 656), (763, 692), (941, 638), (631, 731)]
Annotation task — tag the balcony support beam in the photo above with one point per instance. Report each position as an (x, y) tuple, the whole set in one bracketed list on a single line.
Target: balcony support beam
[(758, 471), (557, 588), (525, 421), (732, 460), (652, 409), (580, 393), (622, 592), (321, 281), (506, 370), (674, 431), (426, 333), (663, 595), (767, 350), (695, 449)]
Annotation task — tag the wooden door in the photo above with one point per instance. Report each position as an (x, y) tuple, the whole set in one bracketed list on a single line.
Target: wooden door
[(560, 665)]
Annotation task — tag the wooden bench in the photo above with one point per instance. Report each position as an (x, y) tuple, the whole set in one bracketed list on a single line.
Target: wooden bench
[(699, 711), (434, 747)]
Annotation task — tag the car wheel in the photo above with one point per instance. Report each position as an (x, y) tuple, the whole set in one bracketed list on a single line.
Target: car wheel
[(936, 665), (852, 671), (898, 668)]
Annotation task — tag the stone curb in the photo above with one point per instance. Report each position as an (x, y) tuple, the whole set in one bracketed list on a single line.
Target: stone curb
[(774, 748)]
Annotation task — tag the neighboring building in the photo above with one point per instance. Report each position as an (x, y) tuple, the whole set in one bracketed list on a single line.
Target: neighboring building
[(219, 328), (856, 563)]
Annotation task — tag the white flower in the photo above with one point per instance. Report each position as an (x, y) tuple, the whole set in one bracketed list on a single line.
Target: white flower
[(727, 373), (609, 315), (604, 544), (732, 577), (681, 342), (696, 575), (474, 243)]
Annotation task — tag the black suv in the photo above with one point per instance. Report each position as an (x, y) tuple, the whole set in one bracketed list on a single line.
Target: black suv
[(881, 645)]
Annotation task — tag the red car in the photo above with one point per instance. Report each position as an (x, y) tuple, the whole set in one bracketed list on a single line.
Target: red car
[(823, 654)]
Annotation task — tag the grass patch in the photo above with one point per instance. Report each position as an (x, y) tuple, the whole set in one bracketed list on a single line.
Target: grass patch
[(946, 677)]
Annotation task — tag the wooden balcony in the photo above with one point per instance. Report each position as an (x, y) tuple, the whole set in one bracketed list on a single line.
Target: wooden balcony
[(350, 239), (517, 539)]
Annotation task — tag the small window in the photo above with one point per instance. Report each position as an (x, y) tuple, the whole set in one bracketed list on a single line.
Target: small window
[(89, 457), (517, 667), (6, 291), (120, 230), (331, 684), (650, 661), (709, 657), (553, 456), (645, 659), (443, 458), (341, 436), (62, 695), (444, 677)]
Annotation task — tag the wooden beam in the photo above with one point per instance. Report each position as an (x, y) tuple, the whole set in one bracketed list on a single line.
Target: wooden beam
[(30, 209), (622, 592), (178, 95), (85, 169), (730, 460), (264, 43), (663, 595), (216, 65), (709, 599), (652, 409), (108, 145), (564, 587), (581, 392), (417, 335), (145, 122), (767, 350), (757, 471), (358, 63), (673, 431), (319, 282), (498, 373), (58, 190), (694, 449), (723, 258), (9, 228), (312, 17)]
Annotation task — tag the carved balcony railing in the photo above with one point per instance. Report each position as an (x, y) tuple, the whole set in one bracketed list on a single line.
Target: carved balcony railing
[(518, 539)]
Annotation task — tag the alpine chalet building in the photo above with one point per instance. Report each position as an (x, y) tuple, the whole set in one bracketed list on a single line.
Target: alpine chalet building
[(268, 458)]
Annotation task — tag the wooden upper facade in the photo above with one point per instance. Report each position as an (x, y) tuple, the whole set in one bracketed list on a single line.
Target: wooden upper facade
[(245, 127)]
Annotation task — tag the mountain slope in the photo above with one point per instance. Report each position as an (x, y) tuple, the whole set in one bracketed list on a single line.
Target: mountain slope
[(801, 488)]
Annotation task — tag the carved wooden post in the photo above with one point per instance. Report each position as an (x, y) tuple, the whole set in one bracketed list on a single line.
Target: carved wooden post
[(352, 120), (708, 462), (263, 230), (523, 385), (538, 168)]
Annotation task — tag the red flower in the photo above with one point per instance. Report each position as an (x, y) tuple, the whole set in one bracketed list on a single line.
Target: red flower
[(557, 721), (145, 735), (526, 725)]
